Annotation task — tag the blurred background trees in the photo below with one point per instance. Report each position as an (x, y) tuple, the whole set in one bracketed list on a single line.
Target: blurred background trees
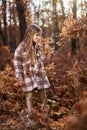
[(16, 15)]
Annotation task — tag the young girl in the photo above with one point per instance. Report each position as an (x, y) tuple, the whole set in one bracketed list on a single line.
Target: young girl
[(28, 63)]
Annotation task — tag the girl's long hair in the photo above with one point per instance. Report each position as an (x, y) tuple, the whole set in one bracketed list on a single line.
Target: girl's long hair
[(28, 42)]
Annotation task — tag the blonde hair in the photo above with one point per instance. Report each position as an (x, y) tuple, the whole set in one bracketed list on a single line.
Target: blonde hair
[(28, 40)]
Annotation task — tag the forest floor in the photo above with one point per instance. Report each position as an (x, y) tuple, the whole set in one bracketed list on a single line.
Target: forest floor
[(68, 83)]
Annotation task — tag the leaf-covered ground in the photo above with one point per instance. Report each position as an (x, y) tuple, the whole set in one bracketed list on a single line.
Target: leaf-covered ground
[(68, 83)]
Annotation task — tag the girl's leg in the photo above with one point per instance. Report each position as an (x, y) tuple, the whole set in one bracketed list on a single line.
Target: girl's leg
[(29, 101), (29, 106), (42, 95)]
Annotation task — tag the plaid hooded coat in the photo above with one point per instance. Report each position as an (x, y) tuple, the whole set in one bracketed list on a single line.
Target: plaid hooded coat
[(30, 81)]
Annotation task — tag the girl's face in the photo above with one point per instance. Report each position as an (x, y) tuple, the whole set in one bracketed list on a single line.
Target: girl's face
[(37, 37)]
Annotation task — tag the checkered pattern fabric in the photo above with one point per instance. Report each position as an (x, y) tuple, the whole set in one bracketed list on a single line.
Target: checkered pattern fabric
[(36, 80)]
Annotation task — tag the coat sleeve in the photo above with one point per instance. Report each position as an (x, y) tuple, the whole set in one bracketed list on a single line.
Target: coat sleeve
[(18, 65)]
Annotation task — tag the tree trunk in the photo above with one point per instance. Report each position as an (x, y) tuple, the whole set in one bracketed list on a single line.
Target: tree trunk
[(22, 20), (74, 9), (55, 22), (1, 35), (4, 22), (62, 7), (55, 17), (39, 13), (10, 32), (73, 40), (73, 46)]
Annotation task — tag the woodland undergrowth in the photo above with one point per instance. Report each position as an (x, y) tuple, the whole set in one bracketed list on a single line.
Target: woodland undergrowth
[(66, 99)]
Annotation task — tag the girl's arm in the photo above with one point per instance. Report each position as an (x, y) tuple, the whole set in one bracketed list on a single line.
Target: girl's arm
[(18, 66)]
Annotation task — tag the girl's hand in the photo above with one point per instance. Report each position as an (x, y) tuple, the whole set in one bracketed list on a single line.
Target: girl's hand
[(39, 44), (20, 83)]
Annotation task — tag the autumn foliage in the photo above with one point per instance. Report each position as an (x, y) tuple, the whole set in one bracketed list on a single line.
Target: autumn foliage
[(68, 80), (75, 28), (78, 120), (66, 99), (5, 57)]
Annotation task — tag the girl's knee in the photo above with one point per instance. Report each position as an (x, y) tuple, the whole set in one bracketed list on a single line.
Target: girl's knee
[(28, 95)]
